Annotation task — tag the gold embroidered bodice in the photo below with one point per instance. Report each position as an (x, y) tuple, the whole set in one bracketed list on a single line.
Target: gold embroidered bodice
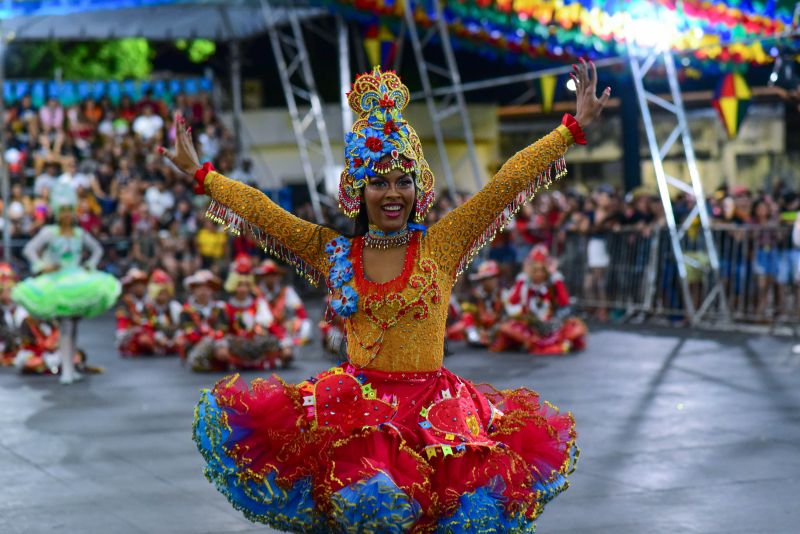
[(398, 325)]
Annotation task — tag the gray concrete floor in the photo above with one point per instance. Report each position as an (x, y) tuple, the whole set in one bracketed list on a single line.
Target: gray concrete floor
[(680, 432)]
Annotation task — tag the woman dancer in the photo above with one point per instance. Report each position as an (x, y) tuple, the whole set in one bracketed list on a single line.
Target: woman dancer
[(65, 289), (389, 441)]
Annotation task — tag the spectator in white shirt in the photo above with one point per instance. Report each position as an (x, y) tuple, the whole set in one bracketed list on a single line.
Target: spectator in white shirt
[(159, 199), (148, 125)]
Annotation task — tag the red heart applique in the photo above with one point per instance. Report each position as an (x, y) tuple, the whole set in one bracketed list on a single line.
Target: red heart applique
[(457, 416), (340, 403)]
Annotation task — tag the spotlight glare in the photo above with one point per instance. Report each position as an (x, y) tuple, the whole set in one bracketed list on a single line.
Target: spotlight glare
[(658, 33), (571, 85)]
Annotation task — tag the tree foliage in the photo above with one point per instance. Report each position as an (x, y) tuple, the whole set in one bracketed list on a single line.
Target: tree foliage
[(198, 50), (117, 59)]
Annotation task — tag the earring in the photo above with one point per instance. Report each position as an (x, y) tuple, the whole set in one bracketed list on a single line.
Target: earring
[(419, 216)]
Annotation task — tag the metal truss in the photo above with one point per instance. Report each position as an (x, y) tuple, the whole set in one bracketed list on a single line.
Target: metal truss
[(302, 99), (453, 102), (641, 66)]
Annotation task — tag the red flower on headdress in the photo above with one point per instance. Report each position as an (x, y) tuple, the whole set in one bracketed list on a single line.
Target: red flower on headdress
[(374, 144), (358, 162), (390, 127), (385, 101)]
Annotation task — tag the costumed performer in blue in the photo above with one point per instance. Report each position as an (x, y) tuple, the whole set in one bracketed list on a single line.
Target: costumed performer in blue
[(389, 441), (66, 288)]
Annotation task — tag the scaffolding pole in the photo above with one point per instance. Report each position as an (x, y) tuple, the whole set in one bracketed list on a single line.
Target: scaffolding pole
[(302, 99), (641, 66), (453, 103)]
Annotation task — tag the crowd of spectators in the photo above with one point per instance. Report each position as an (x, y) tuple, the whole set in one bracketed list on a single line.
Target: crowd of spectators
[(144, 210), (132, 199), (604, 238)]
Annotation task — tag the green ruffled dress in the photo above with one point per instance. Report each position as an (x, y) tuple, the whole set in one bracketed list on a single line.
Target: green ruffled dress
[(73, 290)]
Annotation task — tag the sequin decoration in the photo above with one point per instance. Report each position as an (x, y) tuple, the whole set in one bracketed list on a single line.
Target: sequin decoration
[(242, 209), (461, 234)]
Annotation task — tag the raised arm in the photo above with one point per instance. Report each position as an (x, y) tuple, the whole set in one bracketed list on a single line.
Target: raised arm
[(460, 234), (241, 208)]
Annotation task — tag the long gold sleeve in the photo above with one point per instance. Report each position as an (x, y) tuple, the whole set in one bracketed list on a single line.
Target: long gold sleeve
[(241, 208), (460, 234)]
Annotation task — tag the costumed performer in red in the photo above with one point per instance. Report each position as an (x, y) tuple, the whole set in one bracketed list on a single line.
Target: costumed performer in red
[(541, 320), (389, 441)]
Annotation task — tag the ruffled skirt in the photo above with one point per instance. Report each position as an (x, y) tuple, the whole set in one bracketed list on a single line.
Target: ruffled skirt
[(71, 292), (352, 450)]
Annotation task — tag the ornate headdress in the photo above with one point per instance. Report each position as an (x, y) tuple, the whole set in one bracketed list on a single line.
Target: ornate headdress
[(380, 130)]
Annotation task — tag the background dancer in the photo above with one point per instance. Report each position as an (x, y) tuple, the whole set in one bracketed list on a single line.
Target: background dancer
[(67, 288)]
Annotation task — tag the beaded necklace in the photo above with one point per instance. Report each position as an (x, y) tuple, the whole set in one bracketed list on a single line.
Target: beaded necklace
[(376, 238)]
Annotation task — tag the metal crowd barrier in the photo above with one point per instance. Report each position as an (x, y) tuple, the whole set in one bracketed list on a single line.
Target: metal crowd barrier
[(631, 272)]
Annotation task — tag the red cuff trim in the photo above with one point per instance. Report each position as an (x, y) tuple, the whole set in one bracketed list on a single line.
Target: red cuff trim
[(200, 177), (574, 128)]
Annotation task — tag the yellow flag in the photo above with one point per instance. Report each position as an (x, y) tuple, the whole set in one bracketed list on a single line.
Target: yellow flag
[(547, 85)]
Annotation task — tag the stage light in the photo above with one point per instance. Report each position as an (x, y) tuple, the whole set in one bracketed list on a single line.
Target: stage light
[(655, 33), (571, 85)]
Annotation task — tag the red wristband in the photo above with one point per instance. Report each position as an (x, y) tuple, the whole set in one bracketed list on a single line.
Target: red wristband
[(200, 177), (574, 128)]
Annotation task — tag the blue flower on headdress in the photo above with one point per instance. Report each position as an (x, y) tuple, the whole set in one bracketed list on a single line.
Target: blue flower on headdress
[(391, 124), (347, 302), (359, 169), (375, 144)]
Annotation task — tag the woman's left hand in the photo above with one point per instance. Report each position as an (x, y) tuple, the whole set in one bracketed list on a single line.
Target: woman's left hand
[(185, 156), (588, 107)]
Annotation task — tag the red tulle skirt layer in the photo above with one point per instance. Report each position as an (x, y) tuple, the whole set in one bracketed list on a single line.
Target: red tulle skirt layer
[(435, 435)]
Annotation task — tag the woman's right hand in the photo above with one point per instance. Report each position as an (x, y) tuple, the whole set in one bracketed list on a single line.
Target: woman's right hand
[(185, 156)]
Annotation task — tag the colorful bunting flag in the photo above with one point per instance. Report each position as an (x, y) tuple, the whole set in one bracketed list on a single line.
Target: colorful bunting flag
[(731, 100), (381, 45)]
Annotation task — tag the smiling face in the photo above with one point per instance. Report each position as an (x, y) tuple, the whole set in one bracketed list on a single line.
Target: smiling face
[(389, 199)]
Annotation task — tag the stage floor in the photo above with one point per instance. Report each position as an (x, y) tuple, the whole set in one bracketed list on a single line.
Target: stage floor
[(680, 432)]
